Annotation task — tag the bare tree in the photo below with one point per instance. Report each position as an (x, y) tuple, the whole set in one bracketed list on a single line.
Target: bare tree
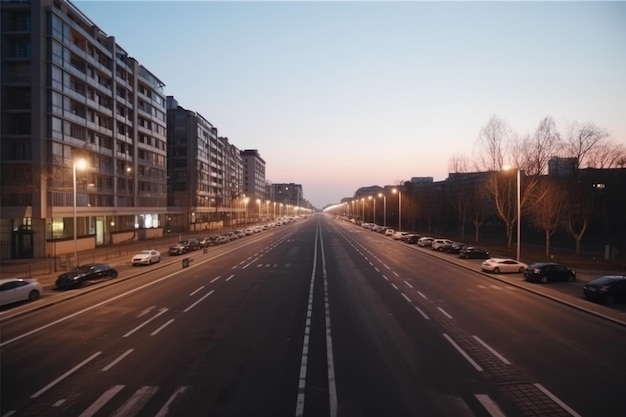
[(606, 155), (578, 211), (459, 195), (476, 210), (493, 140), (582, 140), (547, 209)]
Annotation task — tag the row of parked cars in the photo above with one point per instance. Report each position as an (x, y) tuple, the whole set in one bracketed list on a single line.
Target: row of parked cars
[(605, 289)]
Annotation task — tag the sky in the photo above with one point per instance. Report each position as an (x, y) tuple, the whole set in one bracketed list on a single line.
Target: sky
[(341, 95)]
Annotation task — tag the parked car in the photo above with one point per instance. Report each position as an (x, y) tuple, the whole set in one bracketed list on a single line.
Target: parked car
[(85, 274), (205, 242), (503, 265), (548, 271), (13, 290), (399, 235), (179, 249), (455, 247), (473, 252), (425, 241), (607, 289), (146, 257), (440, 245), (193, 244), (389, 232), (412, 238), (222, 239)]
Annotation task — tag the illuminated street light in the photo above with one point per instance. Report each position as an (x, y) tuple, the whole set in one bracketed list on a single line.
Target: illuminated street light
[(384, 208), (78, 164), (399, 208), (374, 213), (245, 212), (519, 206)]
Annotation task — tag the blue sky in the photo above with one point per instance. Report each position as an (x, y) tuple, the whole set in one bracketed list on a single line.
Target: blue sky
[(339, 95)]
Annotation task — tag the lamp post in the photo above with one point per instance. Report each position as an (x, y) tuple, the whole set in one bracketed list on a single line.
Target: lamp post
[(374, 212), (399, 208), (78, 164), (363, 209), (384, 208), (519, 207), (245, 212), (258, 202)]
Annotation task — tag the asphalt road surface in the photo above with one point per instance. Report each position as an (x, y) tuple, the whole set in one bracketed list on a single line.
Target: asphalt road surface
[(316, 318)]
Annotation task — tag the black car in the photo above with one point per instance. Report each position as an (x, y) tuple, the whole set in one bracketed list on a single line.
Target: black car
[(548, 271), (85, 274), (607, 289), (412, 238), (473, 252), (179, 249)]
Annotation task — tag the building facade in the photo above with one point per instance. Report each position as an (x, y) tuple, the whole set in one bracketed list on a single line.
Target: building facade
[(69, 93), (253, 175), (204, 173)]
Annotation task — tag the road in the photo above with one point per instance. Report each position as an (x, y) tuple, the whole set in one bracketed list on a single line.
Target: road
[(316, 318)]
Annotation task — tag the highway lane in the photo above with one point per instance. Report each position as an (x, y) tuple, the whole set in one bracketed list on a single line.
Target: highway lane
[(548, 350), (384, 336)]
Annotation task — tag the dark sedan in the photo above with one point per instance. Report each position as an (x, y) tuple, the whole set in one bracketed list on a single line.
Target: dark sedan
[(548, 271), (608, 289), (84, 275), (472, 252)]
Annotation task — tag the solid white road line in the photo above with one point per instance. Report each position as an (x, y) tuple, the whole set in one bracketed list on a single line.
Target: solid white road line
[(492, 350), (491, 407)]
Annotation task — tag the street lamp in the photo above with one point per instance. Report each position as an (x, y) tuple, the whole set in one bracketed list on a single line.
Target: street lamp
[(384, 208), (399, 208), (519, 207), (78, 164), (245, 212), (258, 201), (363, 209), (374, 213)]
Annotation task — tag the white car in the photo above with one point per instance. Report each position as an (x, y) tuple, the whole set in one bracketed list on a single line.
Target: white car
[(399, 235), (502, 265), (389, 232), (146, 257), (440, 244), (425, 241), (13, 290)]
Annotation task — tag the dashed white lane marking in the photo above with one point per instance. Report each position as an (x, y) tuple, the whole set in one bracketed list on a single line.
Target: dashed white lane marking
[(444, 312), (492, 350), (463, 353), (421, 294), (230, 277), (162, 327), (162, 311), (65, 375), (215, 279), (196, 291), (199, 301), (421, 312), (117, 360), (491, 407), (557, 400), (408, 284), (405, 297)]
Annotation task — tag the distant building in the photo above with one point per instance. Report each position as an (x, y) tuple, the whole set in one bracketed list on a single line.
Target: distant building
[(562, 167), (253, 175)]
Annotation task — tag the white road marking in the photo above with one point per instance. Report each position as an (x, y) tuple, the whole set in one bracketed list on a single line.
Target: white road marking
[(408, 284), (199, 301), (65, 375), (196, 291), (444, 312), (230, 277), (405, 297), (491, 407), (162, 311), (492, 350), (214, 279), (162, 327), (146, 311), (131, 407), (101, 401), (166, 407), (422, 313), (116, 361), (462, 352), (556, 400)]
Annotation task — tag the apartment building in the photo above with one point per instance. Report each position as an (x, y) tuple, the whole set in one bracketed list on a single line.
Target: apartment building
[(204, 173), (70, 93), (253, 175)]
